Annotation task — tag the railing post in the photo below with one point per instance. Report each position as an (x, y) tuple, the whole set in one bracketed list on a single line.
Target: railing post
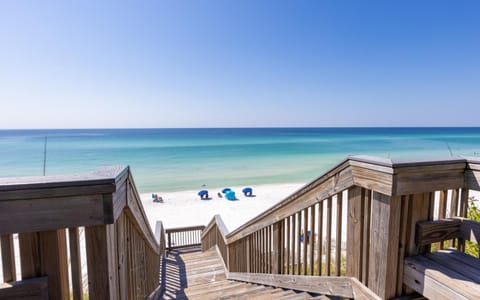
[(355, 240), (384, 239), (277, 238), (102, 271)]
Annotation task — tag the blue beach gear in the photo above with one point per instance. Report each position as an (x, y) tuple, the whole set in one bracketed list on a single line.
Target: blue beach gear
[(203, 194), (230, 195), (225, 190), (247, 191)]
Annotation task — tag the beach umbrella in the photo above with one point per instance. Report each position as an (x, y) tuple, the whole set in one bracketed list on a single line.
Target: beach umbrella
[(225, 190)]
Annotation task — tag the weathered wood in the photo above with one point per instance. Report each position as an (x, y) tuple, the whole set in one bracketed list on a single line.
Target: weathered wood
[(320, 237), (31, 289), (328, 241), (470, 230), (137, 215), (355, 238), (102, 275), (402, 244), (8, 258), (384, 239), (338, 286), (361, 292), (277, 245), (435, 281), (366, 236), (338, 235), (419, 210), (36, 214), (298, 217), (76, 264), (29, 255), (419, 179), (311, 239), (305, 240), (429, 232), (337, 179), (54, 263)]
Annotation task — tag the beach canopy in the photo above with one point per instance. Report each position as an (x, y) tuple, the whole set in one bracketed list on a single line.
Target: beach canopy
[(203, 194), (225, 190), (247, 191), (230, 195)]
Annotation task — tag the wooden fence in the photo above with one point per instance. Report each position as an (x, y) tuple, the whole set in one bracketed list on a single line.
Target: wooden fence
[(46, 215), (357, 220)]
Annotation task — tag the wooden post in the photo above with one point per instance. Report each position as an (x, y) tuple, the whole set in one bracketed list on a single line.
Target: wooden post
[(8, 258), (356, 196), (277, 245), (247, 254), (102, 271), (385, 225)]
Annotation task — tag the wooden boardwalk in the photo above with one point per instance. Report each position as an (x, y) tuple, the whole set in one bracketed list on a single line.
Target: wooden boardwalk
[(191, 274)]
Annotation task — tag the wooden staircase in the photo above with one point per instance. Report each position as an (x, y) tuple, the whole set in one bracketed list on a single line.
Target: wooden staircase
[(192, 274)]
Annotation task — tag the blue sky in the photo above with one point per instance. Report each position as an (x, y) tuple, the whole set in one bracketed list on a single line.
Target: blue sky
[(101, 64)]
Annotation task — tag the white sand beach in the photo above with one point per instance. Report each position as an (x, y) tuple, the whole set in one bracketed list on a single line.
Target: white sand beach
[(185, 208)]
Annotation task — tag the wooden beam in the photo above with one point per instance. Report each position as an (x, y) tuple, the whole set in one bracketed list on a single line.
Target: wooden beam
[(428, 232), (102, 274), (50, 213), (54, 262), (338, 286), (356, 196), (385, 227)]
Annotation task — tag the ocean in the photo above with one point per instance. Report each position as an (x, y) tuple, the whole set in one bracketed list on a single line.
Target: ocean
[(187, 159)]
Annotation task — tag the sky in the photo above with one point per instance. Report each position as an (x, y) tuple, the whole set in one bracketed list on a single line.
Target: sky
[(155, 64)]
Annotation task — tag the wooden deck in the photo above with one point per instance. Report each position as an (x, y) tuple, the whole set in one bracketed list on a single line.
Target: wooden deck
[(191, 274)]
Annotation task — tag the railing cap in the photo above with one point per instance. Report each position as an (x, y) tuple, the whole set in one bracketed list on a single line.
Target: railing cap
[(103, 175)]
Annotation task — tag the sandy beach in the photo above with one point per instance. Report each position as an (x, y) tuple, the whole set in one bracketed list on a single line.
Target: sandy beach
[(185, 208)]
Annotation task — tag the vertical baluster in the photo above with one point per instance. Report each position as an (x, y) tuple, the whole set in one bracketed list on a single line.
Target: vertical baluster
[(328, 242), (298, 216), (366, 236), (320, 236), (338, 246), (294, 244), (305, 240), (312, 238), (287, 256)]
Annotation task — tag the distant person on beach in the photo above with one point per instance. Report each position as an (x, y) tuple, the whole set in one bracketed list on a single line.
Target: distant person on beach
[(157, 199), (219, 195)]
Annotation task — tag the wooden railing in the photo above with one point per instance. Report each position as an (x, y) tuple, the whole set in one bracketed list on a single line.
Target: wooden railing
[(357, 220), (183, 237), (47, 216)]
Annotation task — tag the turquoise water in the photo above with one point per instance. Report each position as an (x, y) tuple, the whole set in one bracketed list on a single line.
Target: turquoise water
[(180, 159)]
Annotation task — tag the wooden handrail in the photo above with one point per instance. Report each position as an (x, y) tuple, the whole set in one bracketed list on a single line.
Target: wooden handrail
[(106, 206), (377, 201)]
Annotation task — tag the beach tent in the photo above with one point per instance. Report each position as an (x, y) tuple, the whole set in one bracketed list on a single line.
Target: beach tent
[(247, 191), (203, 194), (230, 195), (225, 190)]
